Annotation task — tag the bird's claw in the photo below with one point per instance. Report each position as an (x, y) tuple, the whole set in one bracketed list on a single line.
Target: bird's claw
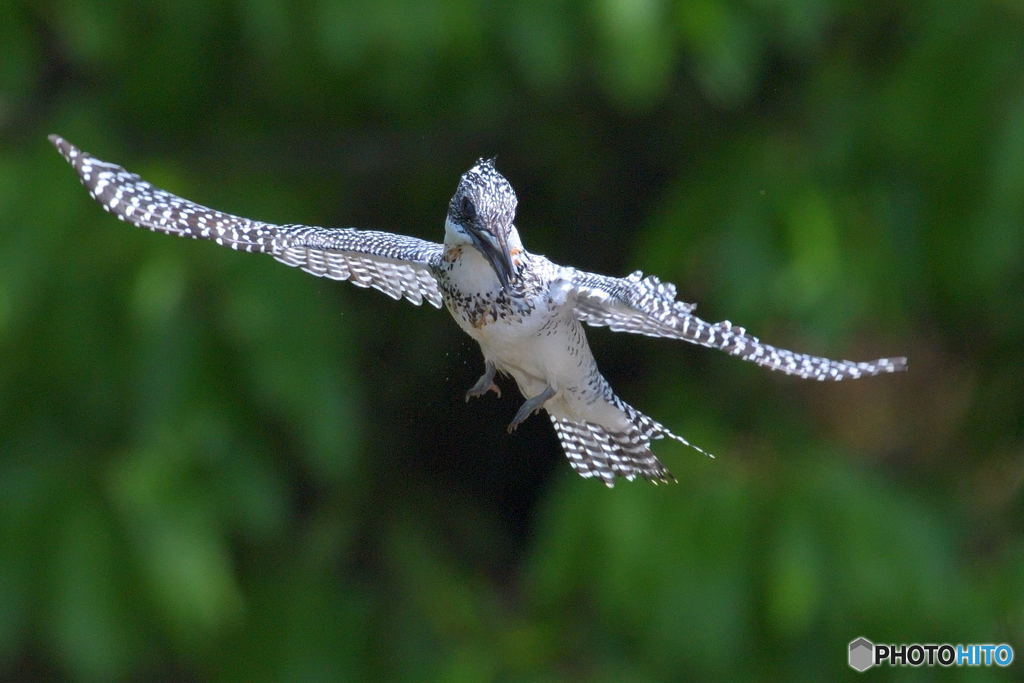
[(531, 406), (485, 383), (477, 392), (520, 419)]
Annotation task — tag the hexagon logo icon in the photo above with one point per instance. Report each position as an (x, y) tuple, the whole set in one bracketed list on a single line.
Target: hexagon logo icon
[(862, 654)]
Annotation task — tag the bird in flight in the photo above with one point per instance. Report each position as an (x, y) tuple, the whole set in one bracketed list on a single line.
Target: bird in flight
[(526, 312)]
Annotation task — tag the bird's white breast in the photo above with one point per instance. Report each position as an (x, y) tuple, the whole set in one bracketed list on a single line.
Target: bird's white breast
[(534, 336)]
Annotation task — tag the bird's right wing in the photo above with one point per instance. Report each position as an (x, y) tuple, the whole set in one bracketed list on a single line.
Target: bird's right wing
[(397, 265), (646, 305)]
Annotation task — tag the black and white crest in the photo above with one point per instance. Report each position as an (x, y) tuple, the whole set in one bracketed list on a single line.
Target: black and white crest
[(484, 196)]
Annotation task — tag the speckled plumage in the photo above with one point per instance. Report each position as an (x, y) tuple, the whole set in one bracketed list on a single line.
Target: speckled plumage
[(525, 311), (395, 264)]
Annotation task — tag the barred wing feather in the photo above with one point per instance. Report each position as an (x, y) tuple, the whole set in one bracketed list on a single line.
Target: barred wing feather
[(397, 265), (645, 305)]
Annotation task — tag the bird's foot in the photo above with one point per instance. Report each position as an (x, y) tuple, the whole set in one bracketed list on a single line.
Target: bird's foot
[(478, 391), (529, 407), (484, 384)]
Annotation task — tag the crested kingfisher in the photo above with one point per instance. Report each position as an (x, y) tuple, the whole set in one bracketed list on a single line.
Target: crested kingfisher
[(525, 312)]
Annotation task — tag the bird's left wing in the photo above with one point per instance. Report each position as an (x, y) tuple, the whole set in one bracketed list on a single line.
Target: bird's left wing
[(397, 265), (646, 305)]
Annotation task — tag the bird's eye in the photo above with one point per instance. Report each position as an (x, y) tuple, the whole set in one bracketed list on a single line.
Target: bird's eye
[(469, 208)]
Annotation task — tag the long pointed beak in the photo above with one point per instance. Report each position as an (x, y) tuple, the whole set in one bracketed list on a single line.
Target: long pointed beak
[(498, 256)]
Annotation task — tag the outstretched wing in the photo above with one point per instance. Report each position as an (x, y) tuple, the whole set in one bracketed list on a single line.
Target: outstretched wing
[(645, 305), (397, 265)]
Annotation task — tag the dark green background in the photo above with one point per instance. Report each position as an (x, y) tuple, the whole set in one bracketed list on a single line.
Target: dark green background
[(214, 466)]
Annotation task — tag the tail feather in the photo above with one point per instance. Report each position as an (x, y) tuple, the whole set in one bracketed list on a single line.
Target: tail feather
[(594, 451), (650, 429)]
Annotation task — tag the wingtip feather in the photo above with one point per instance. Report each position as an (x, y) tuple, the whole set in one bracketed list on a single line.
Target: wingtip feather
[(66, 149)]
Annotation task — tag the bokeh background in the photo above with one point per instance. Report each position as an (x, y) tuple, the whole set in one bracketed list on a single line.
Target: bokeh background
[(215, 466)]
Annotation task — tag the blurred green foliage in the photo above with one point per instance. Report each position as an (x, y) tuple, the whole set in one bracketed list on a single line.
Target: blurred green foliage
[(212, 466)]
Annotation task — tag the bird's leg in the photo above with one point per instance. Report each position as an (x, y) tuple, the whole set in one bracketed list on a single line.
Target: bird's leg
[(485, 383), (531, 406)]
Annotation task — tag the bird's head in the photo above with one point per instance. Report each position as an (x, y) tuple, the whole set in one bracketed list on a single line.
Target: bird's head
[(481, 214)]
